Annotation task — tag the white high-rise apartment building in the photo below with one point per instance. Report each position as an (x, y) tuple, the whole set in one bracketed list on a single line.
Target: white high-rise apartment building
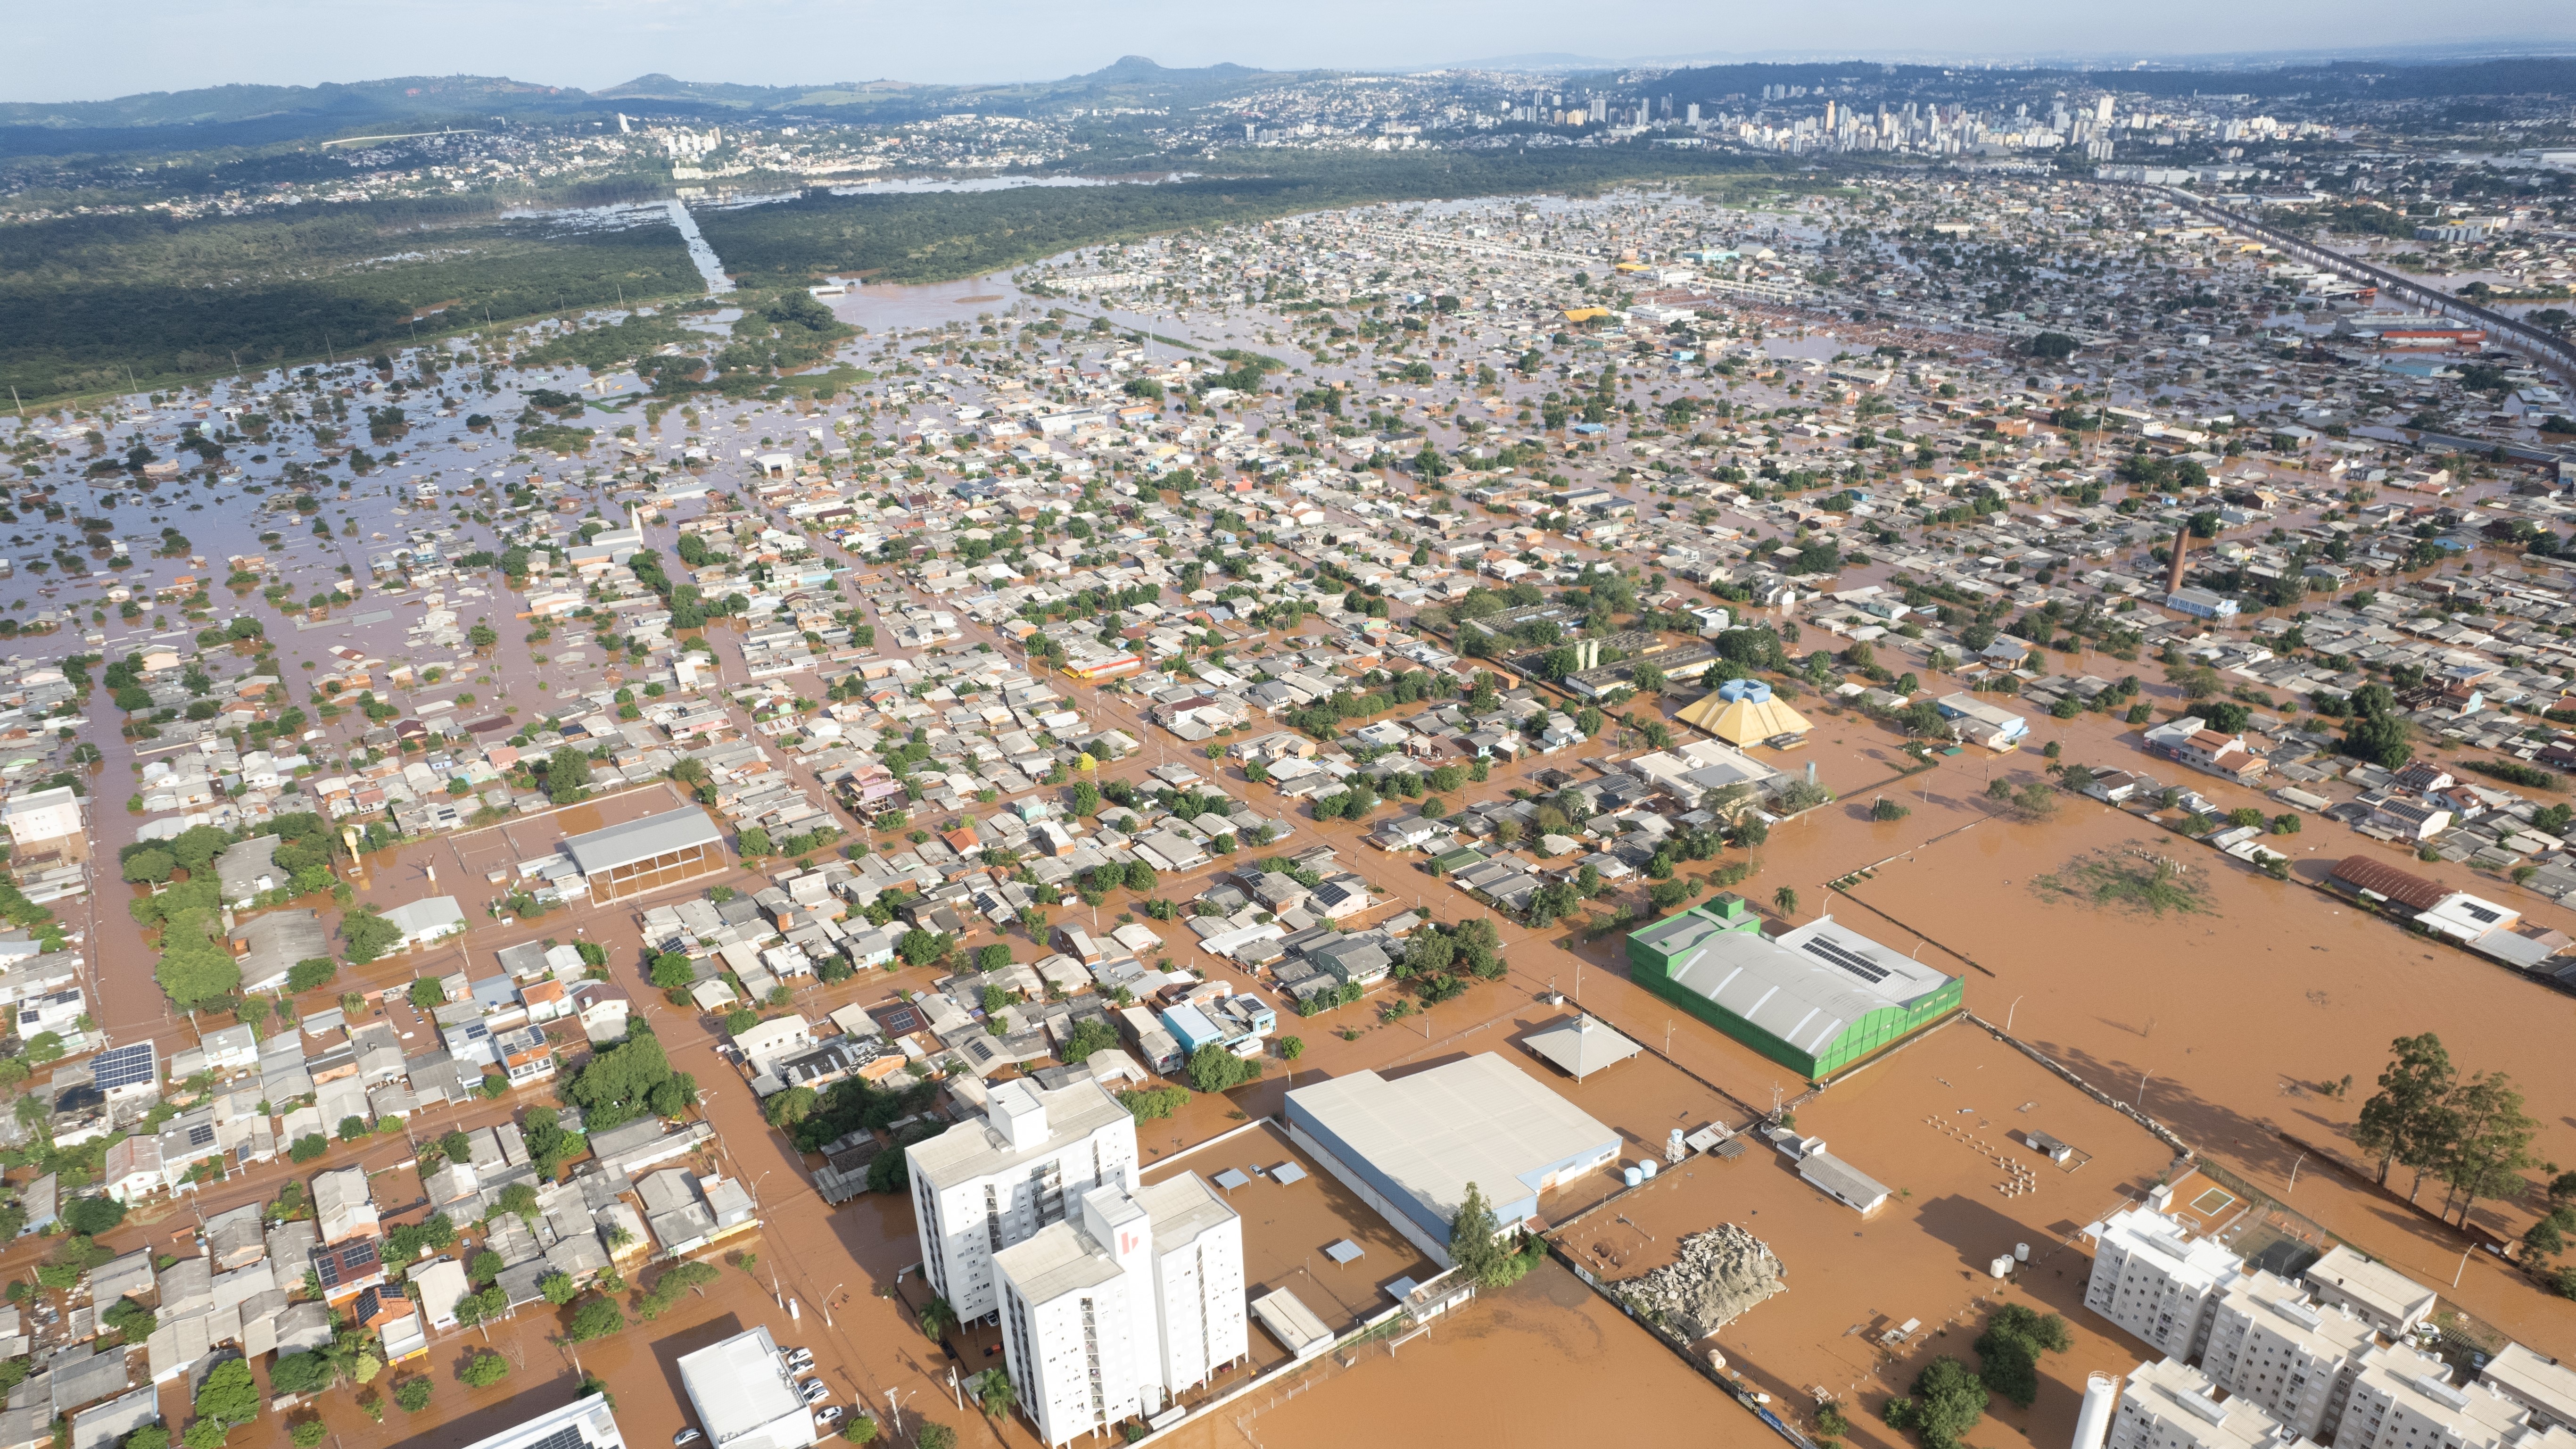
[(980, 1187), (2168, 1405), (2270, 1346), (2403, 1399), (1134, 1298), (2153, 1279)]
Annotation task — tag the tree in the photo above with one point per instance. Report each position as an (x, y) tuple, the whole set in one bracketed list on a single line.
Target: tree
[(309, 1434), (672, 969), (91, 1216), (1786, 900), (484, 1370), (229, 1396), (567, 776), (1473, 1249), (596, 1319), (300, 1373), (150, 866), (518, 1198), (557, 1288), (1291, 1047), (993, 1391), (859, 1429), (2406, 1122), (2490, 1143), (996, 957), (934, 1436), (754, 841), (2008, 1351), (1947, 1402), (1086, 799), (790, 1107), (938, 1319), (1214, 1069), (427, 994), (484, 1267), (1089, 1035), (368, 933), (482, 637), (412, 1394)]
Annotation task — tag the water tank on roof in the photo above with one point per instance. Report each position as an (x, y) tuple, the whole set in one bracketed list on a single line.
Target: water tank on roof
[(1752, 689)]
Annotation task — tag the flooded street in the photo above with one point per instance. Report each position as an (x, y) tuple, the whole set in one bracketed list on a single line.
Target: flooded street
[(2232, 1024)]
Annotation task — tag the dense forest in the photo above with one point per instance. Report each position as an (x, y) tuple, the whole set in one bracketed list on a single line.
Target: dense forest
[(943, 235), (84, 299)]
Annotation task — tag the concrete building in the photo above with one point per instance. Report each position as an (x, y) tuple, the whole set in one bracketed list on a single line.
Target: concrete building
[(980, 1187), (1815, 999), (2544, 1387), (2270, 1346), (1411, 1145), (1109, 1314), (2154, 1280), (46, 825), (744, 1396), (647, 854), (2404, 1399), (2169, 1405), (2385, 1298), (585, 1423)]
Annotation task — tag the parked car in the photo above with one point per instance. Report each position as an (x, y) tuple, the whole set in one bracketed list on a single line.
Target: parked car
[(685, 1436), (800, 1359), (814, 1391), (828, 1414)]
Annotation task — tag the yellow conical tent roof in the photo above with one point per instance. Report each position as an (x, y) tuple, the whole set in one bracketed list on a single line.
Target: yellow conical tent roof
[(1748, 718)]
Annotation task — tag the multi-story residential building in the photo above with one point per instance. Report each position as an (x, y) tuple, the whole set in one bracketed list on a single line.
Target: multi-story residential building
[(2270, 1346), (2387, 1299), (2404, 1399), (1108, 1314), (2543, 1386), (2169, 1405), (980, 1187), (2153, 1279)]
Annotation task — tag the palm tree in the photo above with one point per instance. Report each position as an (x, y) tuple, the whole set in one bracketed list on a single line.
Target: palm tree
[(1786, 899), (938, 1319), (994, 1390)]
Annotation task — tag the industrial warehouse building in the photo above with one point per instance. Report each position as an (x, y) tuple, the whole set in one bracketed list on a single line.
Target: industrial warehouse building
[(647, 854), (1816, 999), (1410, 1146)]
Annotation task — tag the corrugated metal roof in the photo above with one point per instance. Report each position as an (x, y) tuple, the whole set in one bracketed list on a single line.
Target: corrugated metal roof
[(2380, 878), (1805, 987), (607, 849)]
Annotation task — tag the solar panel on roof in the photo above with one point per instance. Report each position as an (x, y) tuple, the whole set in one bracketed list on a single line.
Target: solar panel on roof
[(1860, 966), (124, 1066), (568, 1437), (201, 1135)]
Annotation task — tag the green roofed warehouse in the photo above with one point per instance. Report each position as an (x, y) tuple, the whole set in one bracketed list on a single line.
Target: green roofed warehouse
[(1817, 998)]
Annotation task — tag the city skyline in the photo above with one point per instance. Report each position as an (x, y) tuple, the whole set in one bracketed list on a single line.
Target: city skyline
[(798, 42)]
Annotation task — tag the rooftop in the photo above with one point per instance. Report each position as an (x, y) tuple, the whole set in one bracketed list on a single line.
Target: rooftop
[(743, 1396), (1803, 987), (606, 849), (1479, 1119), (975, 1148)]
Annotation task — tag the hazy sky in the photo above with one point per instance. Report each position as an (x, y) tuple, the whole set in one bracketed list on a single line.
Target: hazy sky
[(59, 52)]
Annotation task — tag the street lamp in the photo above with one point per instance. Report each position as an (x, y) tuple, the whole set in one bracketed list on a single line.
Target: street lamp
[(894, 1410)]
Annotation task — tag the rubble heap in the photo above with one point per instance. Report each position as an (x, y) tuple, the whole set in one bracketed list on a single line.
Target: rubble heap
[(1720, 1273)]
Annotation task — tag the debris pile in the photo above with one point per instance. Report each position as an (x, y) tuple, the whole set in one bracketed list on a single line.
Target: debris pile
[(1721, 1273)]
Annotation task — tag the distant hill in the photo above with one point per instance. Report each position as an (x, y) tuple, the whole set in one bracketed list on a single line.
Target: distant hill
[(243, 115)]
